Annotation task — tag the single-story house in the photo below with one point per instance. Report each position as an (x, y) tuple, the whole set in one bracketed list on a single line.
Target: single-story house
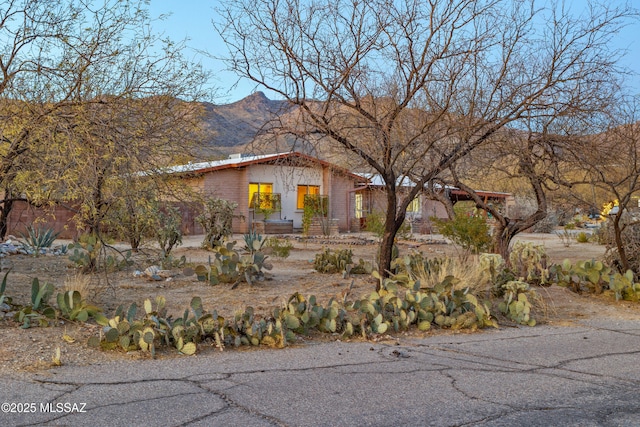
[(371, 198), (272, 187)]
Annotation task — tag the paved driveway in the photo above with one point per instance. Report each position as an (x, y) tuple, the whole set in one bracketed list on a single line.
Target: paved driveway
[(543, 376)]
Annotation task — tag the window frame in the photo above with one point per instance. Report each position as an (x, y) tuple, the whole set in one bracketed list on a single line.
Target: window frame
[(300, 196)]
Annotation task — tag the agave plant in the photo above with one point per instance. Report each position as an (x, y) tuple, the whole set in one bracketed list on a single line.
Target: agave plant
[(39, 237)]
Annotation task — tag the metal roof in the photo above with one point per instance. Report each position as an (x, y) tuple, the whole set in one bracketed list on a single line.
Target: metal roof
[(240, 160)]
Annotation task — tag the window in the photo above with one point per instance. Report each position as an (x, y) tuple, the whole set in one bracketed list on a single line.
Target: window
[(359, 206), (414, 206), (303, 190), (260, 188)]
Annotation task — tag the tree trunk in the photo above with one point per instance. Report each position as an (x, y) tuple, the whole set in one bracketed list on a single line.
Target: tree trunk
[(622, 253), (503, 234), (5, 211), (391, 227)]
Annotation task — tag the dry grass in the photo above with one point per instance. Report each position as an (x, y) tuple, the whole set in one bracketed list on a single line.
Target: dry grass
[(467, 271), (78, 282)]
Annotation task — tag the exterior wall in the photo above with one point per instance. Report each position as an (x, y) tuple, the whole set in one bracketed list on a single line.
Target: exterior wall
[(58, 218), (376, 201), (285, 180), (341, 201), (231, 185), (432, 208)]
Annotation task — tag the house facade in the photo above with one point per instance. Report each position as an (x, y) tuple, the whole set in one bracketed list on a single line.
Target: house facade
[(270, 187), (371, 198)]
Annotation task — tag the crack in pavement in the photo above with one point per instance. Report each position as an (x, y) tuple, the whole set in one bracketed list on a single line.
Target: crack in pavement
[(449, 365)]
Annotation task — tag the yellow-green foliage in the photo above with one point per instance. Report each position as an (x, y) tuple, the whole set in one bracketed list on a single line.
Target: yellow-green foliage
[(582, 237), (471, 232), (279, 248)]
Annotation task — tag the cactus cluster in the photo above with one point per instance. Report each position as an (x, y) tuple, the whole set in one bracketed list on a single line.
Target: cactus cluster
[(529, 261), (624, 287), (594, 277), (516, 305), (340, 261), (388, 309), (88, 253), (230, 266), (589, 276), (415, 263), (155, 328), (39, 312)]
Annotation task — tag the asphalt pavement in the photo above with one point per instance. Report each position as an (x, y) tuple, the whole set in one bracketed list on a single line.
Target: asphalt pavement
[(587, 375)]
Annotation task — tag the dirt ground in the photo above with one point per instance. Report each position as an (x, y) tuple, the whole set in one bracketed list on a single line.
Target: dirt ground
[(33, 348)]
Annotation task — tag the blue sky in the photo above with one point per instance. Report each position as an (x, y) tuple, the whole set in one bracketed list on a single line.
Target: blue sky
[(193, 19)]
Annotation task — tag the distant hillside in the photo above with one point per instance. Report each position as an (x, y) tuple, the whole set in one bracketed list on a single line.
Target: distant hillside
[(236, 124)]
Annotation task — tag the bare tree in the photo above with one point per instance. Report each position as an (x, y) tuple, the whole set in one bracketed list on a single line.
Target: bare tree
[(412, 87), (610, 162)]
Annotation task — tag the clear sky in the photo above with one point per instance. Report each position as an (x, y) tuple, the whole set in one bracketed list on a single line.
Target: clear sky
[(193, 19)]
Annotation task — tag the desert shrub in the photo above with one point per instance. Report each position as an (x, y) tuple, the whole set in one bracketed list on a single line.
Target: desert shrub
[(582, 237), (315, 206), (566, 237), (168, 232), (470, 232), (216, 219), (548, 224), (133, 217), (279, 248), (467, 274), (375, 224), (631, 241)]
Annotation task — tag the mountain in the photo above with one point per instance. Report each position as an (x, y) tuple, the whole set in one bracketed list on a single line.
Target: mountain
[(235, 125)]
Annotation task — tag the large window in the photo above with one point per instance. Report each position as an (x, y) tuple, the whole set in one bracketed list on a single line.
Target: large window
[(359, 206), (303, 190), (258, 188), (414, 206)]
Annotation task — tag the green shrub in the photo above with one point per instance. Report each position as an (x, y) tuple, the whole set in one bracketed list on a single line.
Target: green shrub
[(470, 232), (168, 232), (582, 237), (375, 224), (279, 248)]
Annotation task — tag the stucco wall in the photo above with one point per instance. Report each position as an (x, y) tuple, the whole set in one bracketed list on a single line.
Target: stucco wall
[(285, 180), (341, 201)]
